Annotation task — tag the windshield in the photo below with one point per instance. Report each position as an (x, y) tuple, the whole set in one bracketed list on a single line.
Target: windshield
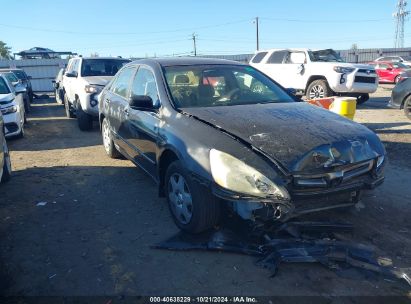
[(11, 77), (4, 89), (221, 85), (101, 67), (20, 74), (325, 55)]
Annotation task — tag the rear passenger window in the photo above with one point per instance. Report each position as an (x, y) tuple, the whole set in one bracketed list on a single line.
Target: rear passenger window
[(258, 57), (277, 57)]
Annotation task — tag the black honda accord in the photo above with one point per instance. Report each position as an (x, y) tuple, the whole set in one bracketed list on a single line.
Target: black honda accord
[(213, 132)]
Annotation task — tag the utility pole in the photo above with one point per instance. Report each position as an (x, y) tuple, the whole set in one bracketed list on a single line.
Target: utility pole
[(400, 16), (258, 34), (194, 44)]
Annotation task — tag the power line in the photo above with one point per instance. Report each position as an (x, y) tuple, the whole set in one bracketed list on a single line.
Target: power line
[(324, 21), (123, 33)]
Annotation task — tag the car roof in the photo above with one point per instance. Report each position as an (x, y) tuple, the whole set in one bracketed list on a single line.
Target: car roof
[(176, 61), (10, 69), (118, 58)]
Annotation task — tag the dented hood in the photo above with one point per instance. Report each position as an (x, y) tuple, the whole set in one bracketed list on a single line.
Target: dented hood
[(298, 135)]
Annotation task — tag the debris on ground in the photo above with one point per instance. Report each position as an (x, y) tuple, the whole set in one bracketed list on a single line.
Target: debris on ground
[(41, 204), (293, 242)]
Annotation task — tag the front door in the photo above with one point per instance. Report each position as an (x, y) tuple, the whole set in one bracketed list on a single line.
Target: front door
[(143, 125)]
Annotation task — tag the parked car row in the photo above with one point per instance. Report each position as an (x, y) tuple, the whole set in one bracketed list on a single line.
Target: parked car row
[(5, 162), (13, 106)]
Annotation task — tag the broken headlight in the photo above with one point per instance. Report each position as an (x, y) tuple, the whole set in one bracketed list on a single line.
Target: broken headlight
[(232, 174)]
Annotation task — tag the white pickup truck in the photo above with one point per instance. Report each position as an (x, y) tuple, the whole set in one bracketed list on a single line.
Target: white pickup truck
[(317, 73), (83, 81)]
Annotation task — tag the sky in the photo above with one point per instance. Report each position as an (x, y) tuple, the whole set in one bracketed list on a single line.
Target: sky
[(165, 28)]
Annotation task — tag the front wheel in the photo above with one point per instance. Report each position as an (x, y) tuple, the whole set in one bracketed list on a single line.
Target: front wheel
[(7, 164), (318, 89), (193, 207), (67, 107), (108, 142), (362, 98), (84, 120), (407, 107)]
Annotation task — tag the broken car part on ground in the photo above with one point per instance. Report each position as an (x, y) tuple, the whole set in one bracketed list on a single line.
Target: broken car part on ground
[(292, 242)]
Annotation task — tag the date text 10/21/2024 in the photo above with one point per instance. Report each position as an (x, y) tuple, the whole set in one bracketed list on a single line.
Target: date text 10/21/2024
[(235, 299)]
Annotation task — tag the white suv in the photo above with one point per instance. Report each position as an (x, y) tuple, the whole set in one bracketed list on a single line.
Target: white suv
[(83, 81), (317, 73)]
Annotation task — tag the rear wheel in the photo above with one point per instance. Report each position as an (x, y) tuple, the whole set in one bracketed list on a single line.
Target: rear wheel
[(84, 120), (67, 107), (7, 164), (407, 107), (397, 79), (318, 89), (193, 207), (108, 142)]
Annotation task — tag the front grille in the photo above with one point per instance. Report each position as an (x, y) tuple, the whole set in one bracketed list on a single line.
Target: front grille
[(364, 79), (366, 71), (334, 178), (12, 127), (303, 205)]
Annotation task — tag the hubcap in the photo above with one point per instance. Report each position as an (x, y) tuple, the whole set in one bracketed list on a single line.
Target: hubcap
[(106, 137), (407, 108), (181, 202), (317, 91)]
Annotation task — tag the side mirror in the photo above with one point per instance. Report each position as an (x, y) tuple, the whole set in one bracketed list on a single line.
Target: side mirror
[(71, 74), (141, 102), (291, 91), (29, 77), (20, 89)]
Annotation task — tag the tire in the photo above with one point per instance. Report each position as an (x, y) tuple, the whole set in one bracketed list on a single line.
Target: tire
[(407, 107), (84, 120), (27, 106), (193, 207), (67, 107), (362, 98), (57, 96), (7, 164), (318, 89), (21, 134), (397, 79), (108, 142)]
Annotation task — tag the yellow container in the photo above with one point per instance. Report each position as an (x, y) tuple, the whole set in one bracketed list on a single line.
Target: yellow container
[(344, 106)]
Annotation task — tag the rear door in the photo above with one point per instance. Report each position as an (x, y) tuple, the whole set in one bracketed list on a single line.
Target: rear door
[(142, 126), (293, 69), (273, 66), (116, 103)]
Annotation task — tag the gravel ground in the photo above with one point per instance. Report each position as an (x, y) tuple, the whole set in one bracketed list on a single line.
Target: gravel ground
[(93, 236)]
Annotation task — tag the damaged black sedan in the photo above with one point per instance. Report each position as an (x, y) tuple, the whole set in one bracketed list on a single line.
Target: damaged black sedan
[(213, 132)]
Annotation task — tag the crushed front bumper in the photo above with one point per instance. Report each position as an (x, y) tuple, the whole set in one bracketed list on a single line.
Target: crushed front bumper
[(302, 201)]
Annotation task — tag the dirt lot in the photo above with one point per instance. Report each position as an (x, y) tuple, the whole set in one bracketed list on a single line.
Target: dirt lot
[(93, 236)]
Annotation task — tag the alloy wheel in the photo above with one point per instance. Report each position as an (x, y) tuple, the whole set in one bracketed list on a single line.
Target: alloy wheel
[(180, 198), (317, 91)]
